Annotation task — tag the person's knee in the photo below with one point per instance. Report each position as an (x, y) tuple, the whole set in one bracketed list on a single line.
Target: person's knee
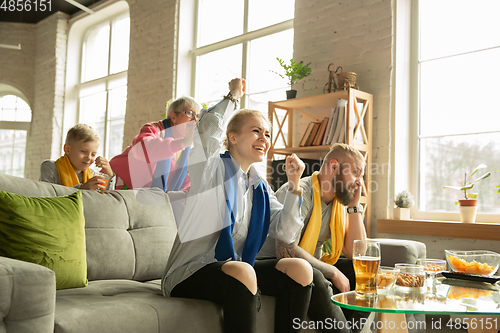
[(320, 282), (297, 269), (242, 272)]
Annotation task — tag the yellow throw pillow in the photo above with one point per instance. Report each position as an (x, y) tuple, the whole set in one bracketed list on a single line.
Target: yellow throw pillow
[(49, 231)]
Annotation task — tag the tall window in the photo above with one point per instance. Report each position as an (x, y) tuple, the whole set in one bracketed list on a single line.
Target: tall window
[(103, 88), (237, 38), (15, 119), (458, 103)]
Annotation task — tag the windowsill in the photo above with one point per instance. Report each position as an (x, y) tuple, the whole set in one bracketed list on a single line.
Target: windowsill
[(488, 231)]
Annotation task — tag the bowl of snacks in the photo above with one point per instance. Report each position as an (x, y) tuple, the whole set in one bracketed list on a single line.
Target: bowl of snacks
[(479, 262), (433, 266), (410, 276), (386, 276)]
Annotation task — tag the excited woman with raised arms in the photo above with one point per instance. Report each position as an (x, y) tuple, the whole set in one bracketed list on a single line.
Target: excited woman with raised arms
[(229, 212)]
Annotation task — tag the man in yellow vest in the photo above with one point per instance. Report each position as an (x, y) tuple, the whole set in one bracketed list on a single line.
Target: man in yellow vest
[(330, 209)]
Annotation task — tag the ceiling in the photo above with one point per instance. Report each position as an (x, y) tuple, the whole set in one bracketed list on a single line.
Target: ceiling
[(33, 16)]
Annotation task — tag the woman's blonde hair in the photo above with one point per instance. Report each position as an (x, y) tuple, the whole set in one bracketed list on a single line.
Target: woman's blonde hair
[(180, 103), (238, 120), (81, 132)]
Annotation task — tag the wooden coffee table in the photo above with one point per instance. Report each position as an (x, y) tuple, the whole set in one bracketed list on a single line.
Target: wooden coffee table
[(479, 302)]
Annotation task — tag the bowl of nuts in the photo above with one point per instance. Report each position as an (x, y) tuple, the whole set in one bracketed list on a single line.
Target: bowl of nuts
[(410, 276), (433, 266), (386, 276)]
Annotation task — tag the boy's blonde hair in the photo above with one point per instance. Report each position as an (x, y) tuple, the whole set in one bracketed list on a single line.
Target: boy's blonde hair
[(180, 103), (238, 120), (81, 132)]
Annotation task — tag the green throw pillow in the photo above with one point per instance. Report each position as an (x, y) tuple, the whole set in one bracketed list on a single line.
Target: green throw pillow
[(48, 231)]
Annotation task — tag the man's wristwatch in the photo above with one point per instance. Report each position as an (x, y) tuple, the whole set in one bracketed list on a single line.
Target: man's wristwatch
[(356, 209)]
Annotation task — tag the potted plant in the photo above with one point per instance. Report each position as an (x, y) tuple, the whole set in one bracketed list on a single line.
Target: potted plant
[(468, 208), (403, 201), (294, 72)]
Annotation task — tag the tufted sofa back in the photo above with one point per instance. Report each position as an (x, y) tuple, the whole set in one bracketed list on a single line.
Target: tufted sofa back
[(129, 234)]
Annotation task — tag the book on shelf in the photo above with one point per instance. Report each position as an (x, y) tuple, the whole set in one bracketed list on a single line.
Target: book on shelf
[(343, 126), (339, 124), (307, 134), (331, 120), (318, 140), (311, 137)]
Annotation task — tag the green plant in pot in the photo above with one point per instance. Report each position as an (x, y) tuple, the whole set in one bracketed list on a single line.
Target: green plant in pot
[(294, 72), (403, 202), (468, 208)]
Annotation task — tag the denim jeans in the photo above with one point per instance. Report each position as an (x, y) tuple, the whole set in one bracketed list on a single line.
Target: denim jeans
[(239, 305)]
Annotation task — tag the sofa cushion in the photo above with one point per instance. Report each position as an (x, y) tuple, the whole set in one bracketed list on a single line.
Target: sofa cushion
[(46, 231), (395, 251), (129, 234), (131, 306)]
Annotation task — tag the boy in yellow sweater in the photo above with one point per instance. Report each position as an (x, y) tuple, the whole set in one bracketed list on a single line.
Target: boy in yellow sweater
[(72, 169)]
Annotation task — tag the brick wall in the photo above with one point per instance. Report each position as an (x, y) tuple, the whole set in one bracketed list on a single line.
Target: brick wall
[(356, 35), (151, 63), (17, 67), (44, 139)]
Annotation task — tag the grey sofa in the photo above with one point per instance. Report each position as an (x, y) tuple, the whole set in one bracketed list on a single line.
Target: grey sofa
[(128, 243)]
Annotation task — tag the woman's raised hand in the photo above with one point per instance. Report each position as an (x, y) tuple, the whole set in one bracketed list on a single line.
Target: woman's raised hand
[(237, 87)]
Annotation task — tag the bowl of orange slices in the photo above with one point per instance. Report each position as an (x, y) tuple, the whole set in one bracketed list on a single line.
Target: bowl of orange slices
[(479, 262)]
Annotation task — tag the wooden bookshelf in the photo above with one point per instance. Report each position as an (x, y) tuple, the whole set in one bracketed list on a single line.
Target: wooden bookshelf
[(358, 124)]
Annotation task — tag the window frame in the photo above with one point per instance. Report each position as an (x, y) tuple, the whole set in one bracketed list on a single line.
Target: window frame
[(17, 125), (414, 137), (244, 39), (107, 80)]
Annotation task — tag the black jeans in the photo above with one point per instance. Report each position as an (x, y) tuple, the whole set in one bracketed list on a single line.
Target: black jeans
[(345, 266), (328, 316), (239, 305)]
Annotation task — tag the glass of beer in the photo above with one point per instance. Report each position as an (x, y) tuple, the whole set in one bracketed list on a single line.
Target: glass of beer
[(366, 261)]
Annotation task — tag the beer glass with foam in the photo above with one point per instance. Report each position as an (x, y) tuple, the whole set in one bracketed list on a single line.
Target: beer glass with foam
[(366, 261)]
